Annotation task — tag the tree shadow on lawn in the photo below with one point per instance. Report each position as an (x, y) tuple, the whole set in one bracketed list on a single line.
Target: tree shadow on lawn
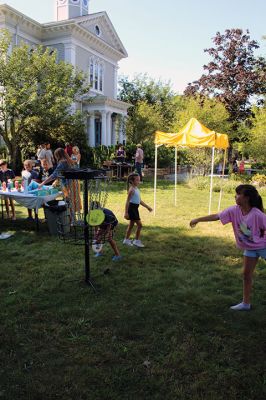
[(166, 304), (188, 274)]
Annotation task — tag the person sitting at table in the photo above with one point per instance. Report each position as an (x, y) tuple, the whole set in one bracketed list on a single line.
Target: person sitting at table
[(70, 187), (6, 175), (121, 154), (45, 171), (33, 176)]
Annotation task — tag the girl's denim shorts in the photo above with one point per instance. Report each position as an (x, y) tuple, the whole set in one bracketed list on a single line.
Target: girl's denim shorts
[(255, 253)]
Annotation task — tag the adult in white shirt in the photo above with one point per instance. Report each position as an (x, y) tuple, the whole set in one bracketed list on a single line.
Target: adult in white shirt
[(41, 154), (139, 156)]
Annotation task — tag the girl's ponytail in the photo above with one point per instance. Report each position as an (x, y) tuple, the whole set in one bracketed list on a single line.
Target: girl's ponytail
[(251, 192)]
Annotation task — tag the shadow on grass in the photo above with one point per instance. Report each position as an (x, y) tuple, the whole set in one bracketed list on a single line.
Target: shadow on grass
[(159, 326)]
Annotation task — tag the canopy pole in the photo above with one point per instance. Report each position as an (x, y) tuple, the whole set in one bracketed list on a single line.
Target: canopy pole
[(155, 179), (175, 172), (221, 191), (211, 184)]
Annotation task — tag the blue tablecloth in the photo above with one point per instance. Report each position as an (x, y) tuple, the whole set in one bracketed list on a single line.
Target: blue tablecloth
[(29, 200)]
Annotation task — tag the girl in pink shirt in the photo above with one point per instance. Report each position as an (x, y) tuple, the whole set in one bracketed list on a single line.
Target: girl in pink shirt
[(249, 225)]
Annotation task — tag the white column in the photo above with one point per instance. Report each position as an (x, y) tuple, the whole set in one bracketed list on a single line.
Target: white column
[(175, 171), (103, 139), (70, 53), (108, 128), (121, 129), (155, 180), (211, 184), (124, 128), (92, 130), (113, 130)]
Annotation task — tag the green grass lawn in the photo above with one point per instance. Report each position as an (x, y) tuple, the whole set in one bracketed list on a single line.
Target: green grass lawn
[(159, 326)]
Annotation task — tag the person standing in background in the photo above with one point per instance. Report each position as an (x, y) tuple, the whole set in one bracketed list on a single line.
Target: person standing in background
[(76, 156), (49, 155), (68, 149), (241, 167), (41, 153), (7, 175), (70, 187), (139, 156)]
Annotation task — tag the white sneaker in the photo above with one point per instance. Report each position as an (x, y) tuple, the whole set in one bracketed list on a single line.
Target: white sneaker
[(5, 236), (128, 242), (138, 243), (241, 307)]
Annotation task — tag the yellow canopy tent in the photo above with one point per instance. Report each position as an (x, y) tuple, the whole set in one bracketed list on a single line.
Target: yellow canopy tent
[(193, 134)]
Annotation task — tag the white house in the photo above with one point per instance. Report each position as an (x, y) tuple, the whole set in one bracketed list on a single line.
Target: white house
[(90, 43)]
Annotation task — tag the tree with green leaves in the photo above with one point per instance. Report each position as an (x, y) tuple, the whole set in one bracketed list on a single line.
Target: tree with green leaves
[(36, 96), (143, 122), (257, 141), (153, 106), (234, 75), (210, 112)]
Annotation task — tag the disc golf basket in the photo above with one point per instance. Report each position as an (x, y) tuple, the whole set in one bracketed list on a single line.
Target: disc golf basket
[(75, 227), (70, 228)]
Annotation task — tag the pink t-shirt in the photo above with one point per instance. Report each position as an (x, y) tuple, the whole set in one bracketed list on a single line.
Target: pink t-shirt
[(249, 229)]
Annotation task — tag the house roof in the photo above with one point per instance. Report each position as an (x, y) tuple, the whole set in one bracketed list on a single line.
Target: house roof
[(78, 24)]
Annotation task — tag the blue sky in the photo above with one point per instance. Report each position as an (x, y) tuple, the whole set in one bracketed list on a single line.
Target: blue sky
[(166, 38)]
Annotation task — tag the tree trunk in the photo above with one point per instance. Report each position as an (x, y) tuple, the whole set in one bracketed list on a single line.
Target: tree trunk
[(16, 162), (14, 149)]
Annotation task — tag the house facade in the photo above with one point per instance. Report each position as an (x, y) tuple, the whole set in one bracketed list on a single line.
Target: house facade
[(90, 43)]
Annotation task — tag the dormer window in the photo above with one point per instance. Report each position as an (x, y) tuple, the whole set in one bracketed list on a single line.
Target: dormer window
[(96, 74)]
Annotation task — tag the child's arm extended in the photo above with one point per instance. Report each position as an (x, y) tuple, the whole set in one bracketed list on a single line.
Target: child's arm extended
[(129, 195), (207, 218), (145, 205)]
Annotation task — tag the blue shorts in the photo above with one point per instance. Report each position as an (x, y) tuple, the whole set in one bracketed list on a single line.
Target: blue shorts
[(255, 253)]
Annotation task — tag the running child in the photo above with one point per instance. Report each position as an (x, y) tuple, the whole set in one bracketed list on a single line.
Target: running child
[(249, 225), (132, 210)]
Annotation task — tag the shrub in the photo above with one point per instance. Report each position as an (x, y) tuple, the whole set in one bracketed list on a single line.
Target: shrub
[(244, 178), (203, 183), (95, 156), (259, 180)]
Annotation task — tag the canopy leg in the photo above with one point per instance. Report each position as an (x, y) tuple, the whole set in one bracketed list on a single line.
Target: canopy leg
[(211, 184), (155, 180), (175, 174)]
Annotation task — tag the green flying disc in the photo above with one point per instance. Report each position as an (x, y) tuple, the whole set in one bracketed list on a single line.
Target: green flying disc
[(95, 217)]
